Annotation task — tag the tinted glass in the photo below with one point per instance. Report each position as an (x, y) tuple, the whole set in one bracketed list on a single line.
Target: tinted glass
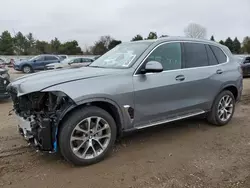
[(221, 57), (195, 55), (50, 58), (211, 57), (86, 60), (39, 58), (169, 55)]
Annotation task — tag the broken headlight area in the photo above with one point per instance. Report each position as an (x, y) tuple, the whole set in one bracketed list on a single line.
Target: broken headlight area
[(39, 114)]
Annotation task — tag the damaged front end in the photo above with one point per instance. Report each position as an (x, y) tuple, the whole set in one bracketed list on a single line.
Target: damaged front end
[(39, 114)]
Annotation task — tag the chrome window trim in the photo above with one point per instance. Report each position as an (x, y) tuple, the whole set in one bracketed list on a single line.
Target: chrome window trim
[(135, 72)]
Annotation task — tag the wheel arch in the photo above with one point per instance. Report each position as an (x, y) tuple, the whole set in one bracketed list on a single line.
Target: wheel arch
[(106, 104), (26, 64), (232, 88)]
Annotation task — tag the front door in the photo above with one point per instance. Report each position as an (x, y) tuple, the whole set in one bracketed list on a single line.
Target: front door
[(159, 96), (39, 63)]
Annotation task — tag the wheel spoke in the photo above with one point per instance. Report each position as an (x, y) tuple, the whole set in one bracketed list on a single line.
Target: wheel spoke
[(97, 124), (73, 138), (85, 151), (78, 128), (89, 123), (80, 146), (229, 101), (94, 151), (99, 143), (103, 136), (103, 128)]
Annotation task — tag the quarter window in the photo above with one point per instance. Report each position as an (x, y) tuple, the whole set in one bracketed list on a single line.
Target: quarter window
[(169, 55), (220, 55), (195, 55), (211, 57)]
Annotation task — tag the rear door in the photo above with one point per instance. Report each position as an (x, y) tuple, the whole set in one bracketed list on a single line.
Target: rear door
[(50, 59), (202, 72)]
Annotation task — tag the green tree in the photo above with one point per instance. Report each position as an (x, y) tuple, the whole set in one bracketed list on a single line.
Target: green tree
[(152, 35), (137, 37), (212, 38), (21, 44), (103, 45), (114, 43), (42, 47), (229, 44), (99, 48), (70, 48), (6, 44), (246, 45), (222, 42), (31, 44), (236, 46), (55, 46)]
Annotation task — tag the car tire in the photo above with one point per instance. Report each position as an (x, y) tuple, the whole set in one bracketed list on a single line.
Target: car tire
[(74, 150), (27, 69), (220, 115)]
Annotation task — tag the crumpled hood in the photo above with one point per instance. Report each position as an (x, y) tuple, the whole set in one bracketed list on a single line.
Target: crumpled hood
[(39, 81)]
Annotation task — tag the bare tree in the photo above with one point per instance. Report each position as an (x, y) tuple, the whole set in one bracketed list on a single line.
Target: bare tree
[(194, 30)]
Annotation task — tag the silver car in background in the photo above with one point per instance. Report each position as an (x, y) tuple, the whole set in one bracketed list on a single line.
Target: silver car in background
[(81, 112), (71, 62)]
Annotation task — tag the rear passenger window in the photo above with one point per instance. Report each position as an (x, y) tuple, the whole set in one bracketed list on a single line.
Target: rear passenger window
[(211, 57), (220, 55), (169, 55), (195, 55)]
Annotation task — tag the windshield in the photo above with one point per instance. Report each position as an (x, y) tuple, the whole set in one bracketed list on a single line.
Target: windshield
[(122, 56)]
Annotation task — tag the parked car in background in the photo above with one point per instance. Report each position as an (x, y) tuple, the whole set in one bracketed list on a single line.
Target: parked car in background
[(36, 63), (71, 62), (245, 64), (4, 81), (81, 112), (63, 56)]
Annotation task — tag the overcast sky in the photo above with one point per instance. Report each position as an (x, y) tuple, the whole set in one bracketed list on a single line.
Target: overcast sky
[(87, 20)]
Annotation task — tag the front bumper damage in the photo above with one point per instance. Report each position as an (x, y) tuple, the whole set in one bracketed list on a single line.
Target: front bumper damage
[(39, 115)]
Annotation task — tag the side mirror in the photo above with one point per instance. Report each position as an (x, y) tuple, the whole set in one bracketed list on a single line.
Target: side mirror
[(153, 67)]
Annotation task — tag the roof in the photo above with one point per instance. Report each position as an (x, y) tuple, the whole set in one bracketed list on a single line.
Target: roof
[(175, 38)]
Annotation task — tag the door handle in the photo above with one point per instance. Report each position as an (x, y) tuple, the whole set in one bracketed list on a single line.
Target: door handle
[(180, 78), (219, 71)]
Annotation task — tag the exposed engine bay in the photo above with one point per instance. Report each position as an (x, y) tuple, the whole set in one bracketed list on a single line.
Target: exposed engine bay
[(41, 112)]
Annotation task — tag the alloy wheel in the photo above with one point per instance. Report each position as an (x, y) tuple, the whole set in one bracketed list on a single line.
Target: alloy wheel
[(225, 108), (90, 137)]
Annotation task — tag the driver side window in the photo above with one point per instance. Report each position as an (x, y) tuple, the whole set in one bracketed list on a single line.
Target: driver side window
[(169, 55)]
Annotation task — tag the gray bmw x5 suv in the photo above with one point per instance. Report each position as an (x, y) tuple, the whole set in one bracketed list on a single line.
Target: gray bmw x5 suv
[(80, 113)]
